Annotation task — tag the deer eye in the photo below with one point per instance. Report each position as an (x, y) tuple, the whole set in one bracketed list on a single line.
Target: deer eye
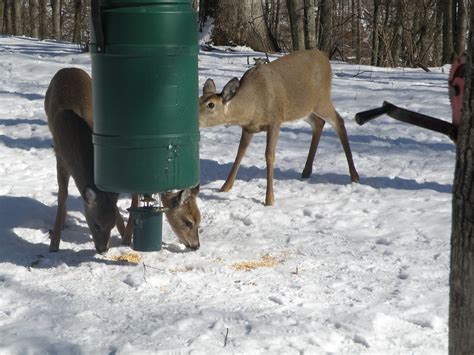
[(189, 224), (211, 105)]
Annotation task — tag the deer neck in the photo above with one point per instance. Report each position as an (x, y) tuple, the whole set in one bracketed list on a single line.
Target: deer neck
[(241, 111)]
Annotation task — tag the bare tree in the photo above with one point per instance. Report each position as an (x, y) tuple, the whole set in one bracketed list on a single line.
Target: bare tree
[(77, 21), (356, 9), (448, 48), (34, 18), (378, 32), (310, 14), (460, 27), (8, 17), (242, 22), (461, 297), (16, 17), (296, 14), (206, 9), (437, 35), (375, 33), (397, 33), (43, 19), (2, 13), (56, 7), (273, 16), (325, 21), (383, 35)]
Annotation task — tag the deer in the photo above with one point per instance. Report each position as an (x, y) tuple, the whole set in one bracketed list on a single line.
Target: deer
[(293, 87), (68, 106)]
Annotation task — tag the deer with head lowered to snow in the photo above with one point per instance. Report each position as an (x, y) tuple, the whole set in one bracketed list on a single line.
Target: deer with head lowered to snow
[(68, 106), (296, 86)]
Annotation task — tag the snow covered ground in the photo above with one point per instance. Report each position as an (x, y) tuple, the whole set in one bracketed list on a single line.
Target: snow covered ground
[(345, 268)]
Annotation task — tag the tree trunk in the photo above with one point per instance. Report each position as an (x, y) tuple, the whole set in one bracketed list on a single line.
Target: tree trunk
[(375, 33), (34, 18), (358, 34), (43, 19), (242, 22), (437, 36), (382, 37), (296, 15), (461, 27), (56, 9), (325, 21), (310, 22), (356, 14), (16, 17), (423, 31), (448, 48), (275, 22), (77, 21), (353, 24), (2, 7), (461, 281), (397, 33), (8, 17), (206, 9)]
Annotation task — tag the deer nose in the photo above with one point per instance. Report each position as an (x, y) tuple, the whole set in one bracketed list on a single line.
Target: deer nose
[(194, 246), (101, 250)]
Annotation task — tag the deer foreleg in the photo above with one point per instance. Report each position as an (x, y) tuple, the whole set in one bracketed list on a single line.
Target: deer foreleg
[(244, 143), (63, 182)]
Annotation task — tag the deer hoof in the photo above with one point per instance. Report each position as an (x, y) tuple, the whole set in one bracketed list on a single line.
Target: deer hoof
[(269, 201), (226, 188), (53, 248), (126, 242), (306, 174), (355, 178)]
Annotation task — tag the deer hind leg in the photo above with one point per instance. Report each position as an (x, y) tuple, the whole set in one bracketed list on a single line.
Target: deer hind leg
[(63, 182), (317, 125), (127, 236), (337, 123), (244, 143), (272, 139), (119, 223)]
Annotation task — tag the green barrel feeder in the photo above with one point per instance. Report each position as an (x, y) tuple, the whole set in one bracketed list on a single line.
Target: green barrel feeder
[(145, 91)]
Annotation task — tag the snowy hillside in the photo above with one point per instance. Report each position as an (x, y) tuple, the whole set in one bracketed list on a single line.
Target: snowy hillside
[(335, 267)]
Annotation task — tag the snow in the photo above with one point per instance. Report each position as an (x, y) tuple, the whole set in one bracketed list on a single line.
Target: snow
[(356, 268)]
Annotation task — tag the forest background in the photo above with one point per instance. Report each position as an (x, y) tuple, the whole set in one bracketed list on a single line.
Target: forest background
[(394, 33)]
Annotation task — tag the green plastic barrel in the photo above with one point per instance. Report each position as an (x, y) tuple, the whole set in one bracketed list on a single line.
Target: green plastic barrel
[(145, 92)]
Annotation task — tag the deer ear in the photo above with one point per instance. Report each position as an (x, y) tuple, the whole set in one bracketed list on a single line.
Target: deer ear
[(178, 198), (89, 195), (209, 87), (195, 189), (184, 195), (230, 89)]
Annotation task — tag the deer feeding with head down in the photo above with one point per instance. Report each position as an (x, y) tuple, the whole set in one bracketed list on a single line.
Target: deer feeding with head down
[(296, 86), (68, 106)]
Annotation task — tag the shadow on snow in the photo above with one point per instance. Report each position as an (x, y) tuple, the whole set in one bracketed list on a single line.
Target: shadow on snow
[(28, 213), (247, 173), (26, 143)]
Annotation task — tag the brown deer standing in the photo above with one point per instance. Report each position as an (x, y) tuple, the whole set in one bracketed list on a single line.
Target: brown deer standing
[(68, 106), (296, 86)]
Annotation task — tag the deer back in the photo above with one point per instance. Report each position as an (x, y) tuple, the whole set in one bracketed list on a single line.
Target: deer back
[(70, 89), (286, 89)]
